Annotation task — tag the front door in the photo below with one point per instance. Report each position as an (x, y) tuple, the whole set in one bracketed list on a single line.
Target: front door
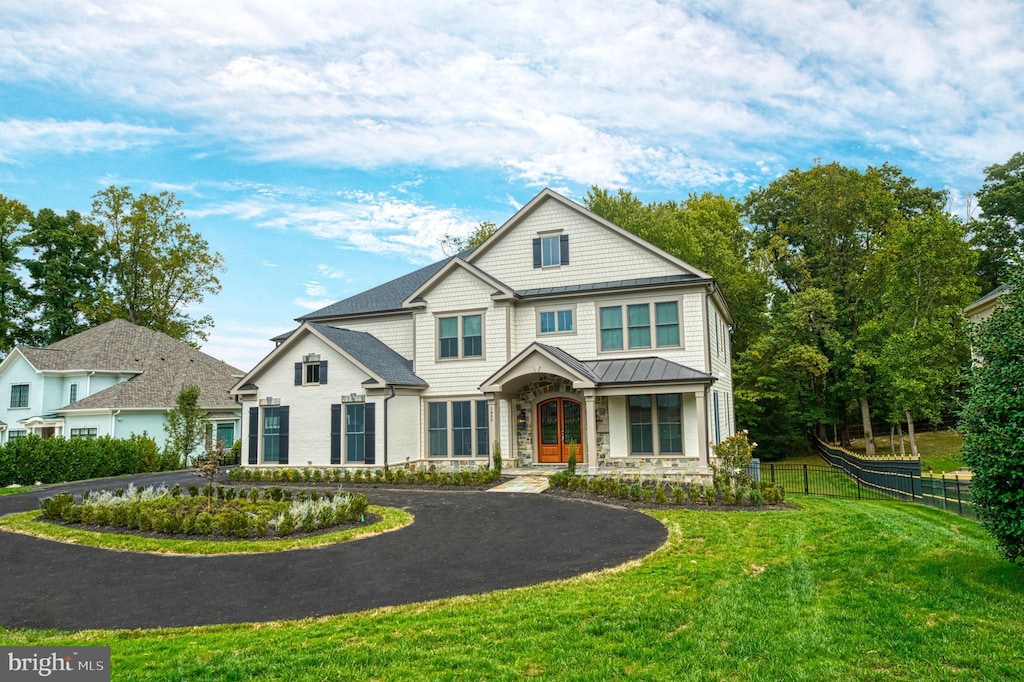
[(559, 420)]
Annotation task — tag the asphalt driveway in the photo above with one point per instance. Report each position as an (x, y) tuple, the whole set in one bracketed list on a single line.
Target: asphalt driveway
[(461, 542)]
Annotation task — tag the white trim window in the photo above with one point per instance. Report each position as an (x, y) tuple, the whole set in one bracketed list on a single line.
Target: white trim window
[(631, 324), (15, 434), (86, 432), (655, 424), (458, 428), (19, 396), (556, 321), (460, 336), (73, 394)]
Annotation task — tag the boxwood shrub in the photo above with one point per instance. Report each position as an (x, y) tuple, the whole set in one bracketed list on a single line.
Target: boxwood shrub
[(226, 514)]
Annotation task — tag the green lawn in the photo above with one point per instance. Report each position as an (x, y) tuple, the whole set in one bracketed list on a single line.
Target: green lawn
[(837, 590), (13, 490), (940, 450)]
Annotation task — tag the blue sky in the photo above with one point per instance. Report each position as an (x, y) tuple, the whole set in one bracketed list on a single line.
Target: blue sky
[(325, 147)]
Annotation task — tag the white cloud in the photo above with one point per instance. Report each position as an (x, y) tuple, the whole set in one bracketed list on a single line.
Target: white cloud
[(373, 222), (20, 138), (626, 93)]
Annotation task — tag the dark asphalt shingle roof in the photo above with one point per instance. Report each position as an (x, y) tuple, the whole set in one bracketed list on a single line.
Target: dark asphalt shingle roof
[(382, 298), (373, 353), (162, 366)]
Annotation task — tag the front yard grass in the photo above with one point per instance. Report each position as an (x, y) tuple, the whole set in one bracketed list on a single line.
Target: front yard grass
[(835, 590)]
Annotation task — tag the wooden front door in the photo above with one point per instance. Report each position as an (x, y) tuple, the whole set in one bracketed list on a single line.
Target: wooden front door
[(559, 421)]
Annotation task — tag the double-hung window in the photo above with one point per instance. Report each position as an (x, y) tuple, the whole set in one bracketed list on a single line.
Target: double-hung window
[(355, 432), (551, 250), (458, 428), (452, 344), (19, 395), (655, 424), (630, 326), (73, 394)]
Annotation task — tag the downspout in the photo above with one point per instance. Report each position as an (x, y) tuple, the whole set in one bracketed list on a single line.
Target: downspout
[(113, 422), (392, 387)]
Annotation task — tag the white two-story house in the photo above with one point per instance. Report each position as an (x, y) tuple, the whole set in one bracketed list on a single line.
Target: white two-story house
[(560, 332)]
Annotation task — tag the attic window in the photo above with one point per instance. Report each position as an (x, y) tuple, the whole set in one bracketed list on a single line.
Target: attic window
[(311, 372), (551, 250)]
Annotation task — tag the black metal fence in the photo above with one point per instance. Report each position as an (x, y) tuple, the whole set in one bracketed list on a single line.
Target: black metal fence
[(848, 476)]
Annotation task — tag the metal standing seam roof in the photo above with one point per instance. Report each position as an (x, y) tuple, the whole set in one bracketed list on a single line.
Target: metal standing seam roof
[(373, 353), (603, 286), (646, 370)]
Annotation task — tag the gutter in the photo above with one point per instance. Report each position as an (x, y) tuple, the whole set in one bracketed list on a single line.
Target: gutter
[(386, 425)]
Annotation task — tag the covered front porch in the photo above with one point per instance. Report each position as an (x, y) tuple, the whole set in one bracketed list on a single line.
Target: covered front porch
[(641, 415)]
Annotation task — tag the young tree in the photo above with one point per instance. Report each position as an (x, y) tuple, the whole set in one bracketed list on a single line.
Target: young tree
[(158, 265), (14, 297), (992, 421), (186, 426), (67, 271)]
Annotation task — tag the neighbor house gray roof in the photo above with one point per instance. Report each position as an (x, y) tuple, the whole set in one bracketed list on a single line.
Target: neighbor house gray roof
[(383, 298), (161, 367), (647, 370), (373, 354)]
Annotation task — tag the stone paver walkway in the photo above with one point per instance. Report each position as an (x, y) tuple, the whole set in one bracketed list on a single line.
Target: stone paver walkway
[(522, 484)]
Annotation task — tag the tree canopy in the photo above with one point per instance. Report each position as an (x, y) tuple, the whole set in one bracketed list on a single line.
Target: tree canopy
[(158, 265)]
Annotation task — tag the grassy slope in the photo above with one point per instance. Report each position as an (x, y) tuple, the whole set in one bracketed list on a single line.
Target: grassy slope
[(835, 590), (939, 450)]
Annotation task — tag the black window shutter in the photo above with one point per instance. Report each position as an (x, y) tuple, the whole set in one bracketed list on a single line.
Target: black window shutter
[(323, 371), (298, 373), (336, 434), (563, 246), (283, 435), (370, 433), (254, 435), (536, 252)]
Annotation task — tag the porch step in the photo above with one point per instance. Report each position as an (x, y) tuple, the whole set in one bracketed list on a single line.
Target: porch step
[(522, 484)]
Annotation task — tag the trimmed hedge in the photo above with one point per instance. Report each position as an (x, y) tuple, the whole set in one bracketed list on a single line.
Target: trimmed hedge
[(57, 460), (663, 492), (463, 477), (231, 513)]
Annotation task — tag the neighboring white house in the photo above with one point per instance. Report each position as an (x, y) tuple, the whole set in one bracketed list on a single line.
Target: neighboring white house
[(116, 379), (561, 330), (983, 308)]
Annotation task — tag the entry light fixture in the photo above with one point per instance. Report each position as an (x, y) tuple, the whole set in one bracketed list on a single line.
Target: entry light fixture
[(521, 420)]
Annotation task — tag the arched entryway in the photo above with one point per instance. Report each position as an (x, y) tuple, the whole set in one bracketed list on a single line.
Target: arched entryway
[(559, 425)]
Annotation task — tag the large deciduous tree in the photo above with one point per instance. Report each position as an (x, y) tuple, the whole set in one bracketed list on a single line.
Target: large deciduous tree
[(999, 233), (992, 421), (159, 267), (819, 229), (67, 269), (15, 327), (924, 273)]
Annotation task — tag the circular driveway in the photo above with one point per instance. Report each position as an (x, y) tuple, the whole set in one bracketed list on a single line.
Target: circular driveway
[(461, 542)]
